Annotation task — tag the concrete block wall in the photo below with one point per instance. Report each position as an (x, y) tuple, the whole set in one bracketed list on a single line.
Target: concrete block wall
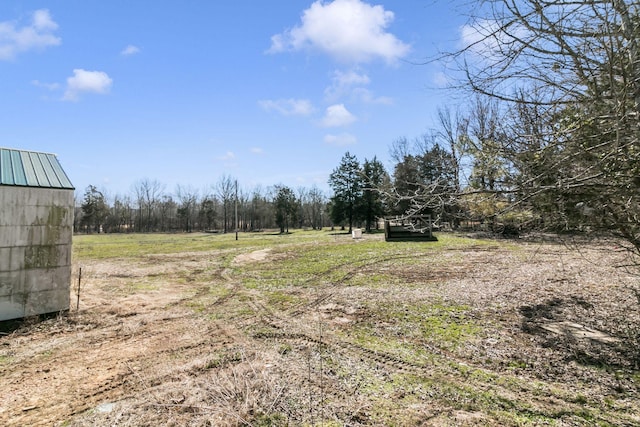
[(36, 230)]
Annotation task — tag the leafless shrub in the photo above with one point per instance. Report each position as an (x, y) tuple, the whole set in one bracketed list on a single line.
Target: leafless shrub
[(246, 393), (632, 329)]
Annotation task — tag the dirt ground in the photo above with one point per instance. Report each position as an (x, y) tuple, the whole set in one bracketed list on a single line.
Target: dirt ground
[(178, 340)]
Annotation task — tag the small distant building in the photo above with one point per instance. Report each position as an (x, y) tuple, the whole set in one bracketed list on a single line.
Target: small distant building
[(36, 226)]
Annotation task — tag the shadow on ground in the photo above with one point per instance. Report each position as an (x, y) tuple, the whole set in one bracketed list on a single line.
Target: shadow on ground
[(565, 325)]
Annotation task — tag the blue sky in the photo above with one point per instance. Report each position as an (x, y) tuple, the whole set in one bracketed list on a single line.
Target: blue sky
[(187, 91)]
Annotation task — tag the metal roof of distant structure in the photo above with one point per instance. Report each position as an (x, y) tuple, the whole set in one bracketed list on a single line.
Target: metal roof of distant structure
[(32, 169)]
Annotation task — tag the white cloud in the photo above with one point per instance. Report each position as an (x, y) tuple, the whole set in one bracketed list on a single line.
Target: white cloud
[(37, 35), (42, 21), (130, 50), (257, 150), (337, 115), (49, 86), (343, 82), (84, 81), (441, 79), (476, 37), (350, 78), (365, 95), (340, 140), (349, 31), (228, 156), (288, 107), (351, 84)]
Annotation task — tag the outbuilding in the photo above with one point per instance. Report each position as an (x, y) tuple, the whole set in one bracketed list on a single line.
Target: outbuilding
[(36, 230)]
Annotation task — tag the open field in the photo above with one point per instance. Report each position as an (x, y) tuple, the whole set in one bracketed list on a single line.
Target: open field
[(315, 328)]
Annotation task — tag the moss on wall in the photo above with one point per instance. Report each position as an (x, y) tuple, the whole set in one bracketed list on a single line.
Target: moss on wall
[(57, 215), (46, 253), (41, 256)]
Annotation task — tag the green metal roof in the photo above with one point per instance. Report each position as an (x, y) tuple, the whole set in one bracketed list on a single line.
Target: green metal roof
[(31, 169)]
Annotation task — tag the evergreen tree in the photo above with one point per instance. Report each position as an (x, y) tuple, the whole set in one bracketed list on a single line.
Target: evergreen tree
[(425, 183), (286, 205), (373, 205), (94, 209), (347, 184)]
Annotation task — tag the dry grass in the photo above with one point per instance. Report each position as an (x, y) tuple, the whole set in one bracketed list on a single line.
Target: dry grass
[(319, 329)]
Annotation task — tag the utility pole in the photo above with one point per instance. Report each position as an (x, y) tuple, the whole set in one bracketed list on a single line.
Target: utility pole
[(236, 209)]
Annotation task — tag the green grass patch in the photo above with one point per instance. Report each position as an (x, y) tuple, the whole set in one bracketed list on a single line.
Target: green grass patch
[(282, 300), (142, 287), (391, 325), (136, 245), (344, 262)]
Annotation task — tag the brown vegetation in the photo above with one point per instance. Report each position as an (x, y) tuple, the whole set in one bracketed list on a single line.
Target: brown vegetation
[(489, 333)]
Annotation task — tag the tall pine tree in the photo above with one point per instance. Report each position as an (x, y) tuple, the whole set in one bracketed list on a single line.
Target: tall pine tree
[(347, 184)]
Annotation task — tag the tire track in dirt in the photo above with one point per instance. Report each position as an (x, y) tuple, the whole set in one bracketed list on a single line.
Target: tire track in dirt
[(289, 319), (286, 325), (143, 348), (349, 349), (508, 394), (351, 270)]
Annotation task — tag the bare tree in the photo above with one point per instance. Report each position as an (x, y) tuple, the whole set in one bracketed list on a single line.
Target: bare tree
[(188, 200), (304, 207), (226, 191), (121, 215), (260, 211), (400, 148), (576, 65), (451, 132), (425, 180), (317, 202), (148, 194), (243, 209)]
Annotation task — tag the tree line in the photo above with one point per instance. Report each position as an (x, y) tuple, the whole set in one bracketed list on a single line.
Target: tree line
[(151, 208)]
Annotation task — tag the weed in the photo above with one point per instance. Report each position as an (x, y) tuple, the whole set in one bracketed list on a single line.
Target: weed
[(281, 300), (436, 323), (270, 420), (229, 357), (517, 364), (137, 287), (580, 399), (284, 349)]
